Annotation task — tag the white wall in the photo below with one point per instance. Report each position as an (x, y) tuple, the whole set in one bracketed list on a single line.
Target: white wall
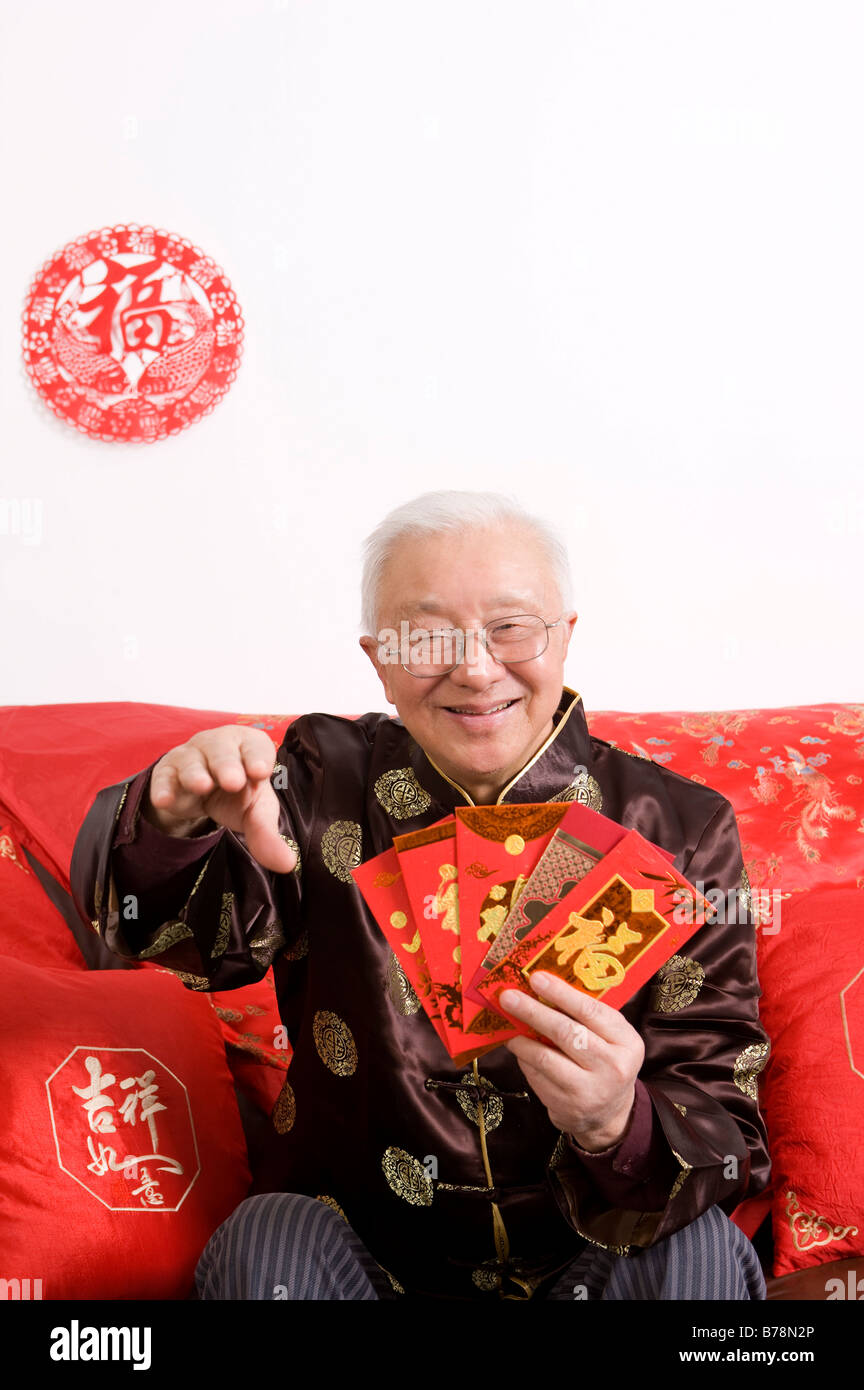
[(606, 256)]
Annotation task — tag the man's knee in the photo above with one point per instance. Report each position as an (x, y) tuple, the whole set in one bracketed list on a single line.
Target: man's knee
[(710, 1259), (270, 1247)]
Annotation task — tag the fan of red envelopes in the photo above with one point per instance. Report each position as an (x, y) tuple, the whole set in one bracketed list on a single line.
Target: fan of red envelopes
[(477, 902)]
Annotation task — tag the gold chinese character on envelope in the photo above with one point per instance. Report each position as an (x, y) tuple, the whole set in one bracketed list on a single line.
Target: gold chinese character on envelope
[(595, 947)]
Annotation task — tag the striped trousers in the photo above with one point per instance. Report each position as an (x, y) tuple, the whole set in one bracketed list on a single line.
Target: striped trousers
[(281, 1245)]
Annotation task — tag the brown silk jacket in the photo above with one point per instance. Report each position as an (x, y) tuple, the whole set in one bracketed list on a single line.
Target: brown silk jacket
[(453, 1177)]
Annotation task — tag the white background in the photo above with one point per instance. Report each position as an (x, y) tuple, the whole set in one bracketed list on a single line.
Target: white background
[(603, 256)]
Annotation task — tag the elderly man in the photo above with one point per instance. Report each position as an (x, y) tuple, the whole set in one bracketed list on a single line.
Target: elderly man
[(601, 1162)]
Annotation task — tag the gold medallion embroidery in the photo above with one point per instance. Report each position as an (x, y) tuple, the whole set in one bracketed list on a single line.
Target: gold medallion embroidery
[(747, 1067), (333, 1205), (224, 931), (341, 848), (809, 1229), (285, 1110), (335, 1043), (401, 794), (266, 947), (399, 988), (169, 936), (584, 789), (292, 844), (193, 981), (407, 1177), (298, 949), (493, 1106), (745, 892), (677, 984), (486, 1279)]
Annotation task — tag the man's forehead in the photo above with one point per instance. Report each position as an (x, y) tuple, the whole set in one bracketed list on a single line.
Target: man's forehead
[(474, 568), (511, 601)]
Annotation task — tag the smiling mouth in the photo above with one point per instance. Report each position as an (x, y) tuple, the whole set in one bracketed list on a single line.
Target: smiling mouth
[(479, 712)]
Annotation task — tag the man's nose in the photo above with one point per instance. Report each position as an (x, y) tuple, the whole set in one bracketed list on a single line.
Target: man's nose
[(477, 667)]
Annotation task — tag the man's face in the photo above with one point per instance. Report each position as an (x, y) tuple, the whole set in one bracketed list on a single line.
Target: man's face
[(483, 721)]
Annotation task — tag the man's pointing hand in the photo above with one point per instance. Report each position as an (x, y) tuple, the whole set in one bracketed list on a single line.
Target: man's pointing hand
[(222, 775)]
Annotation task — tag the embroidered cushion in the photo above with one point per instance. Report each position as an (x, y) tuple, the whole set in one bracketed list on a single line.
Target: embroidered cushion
[(121, 1149), (812, 1090), (794, 777)]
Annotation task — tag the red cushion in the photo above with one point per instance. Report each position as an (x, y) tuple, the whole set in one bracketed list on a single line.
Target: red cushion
[(55, 760), (253, 1033), (794, 777), (812, 1089), (57, 757), (31, 928), (68, 1215), (33, 931)]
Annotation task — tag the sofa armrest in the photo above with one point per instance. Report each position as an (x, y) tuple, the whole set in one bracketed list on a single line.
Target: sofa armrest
[(839, 1279)]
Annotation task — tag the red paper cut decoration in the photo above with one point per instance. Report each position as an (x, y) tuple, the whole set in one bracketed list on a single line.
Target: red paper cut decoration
[(131, 334)]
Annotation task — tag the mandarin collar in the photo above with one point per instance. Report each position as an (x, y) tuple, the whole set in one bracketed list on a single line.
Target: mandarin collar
[(565, 753)]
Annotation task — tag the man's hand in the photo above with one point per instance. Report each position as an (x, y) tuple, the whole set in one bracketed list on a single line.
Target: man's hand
[(224, 775), (585, 1075)]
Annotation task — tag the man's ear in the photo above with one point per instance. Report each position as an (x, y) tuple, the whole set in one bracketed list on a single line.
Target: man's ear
[(570, 620), (374, 650)]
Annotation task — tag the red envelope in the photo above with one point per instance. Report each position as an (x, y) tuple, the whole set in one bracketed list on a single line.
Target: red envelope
[(496, 849), (428, 862), (612, 932), (581, 839), (382, 884)]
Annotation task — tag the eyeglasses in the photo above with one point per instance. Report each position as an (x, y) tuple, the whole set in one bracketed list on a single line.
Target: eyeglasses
[(509, 641)]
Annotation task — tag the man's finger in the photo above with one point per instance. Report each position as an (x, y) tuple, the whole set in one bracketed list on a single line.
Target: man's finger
[(171, 791), (227, 769), (542, 1063), (189, 768), (608, 1023), (573, 1039), (258, 760), (270, 850), (261, 832)]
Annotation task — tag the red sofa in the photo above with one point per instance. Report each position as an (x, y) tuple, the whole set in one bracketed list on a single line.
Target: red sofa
[(198, 1074)]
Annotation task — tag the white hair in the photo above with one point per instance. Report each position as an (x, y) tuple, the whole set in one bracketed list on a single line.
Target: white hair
[(434, 512)]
